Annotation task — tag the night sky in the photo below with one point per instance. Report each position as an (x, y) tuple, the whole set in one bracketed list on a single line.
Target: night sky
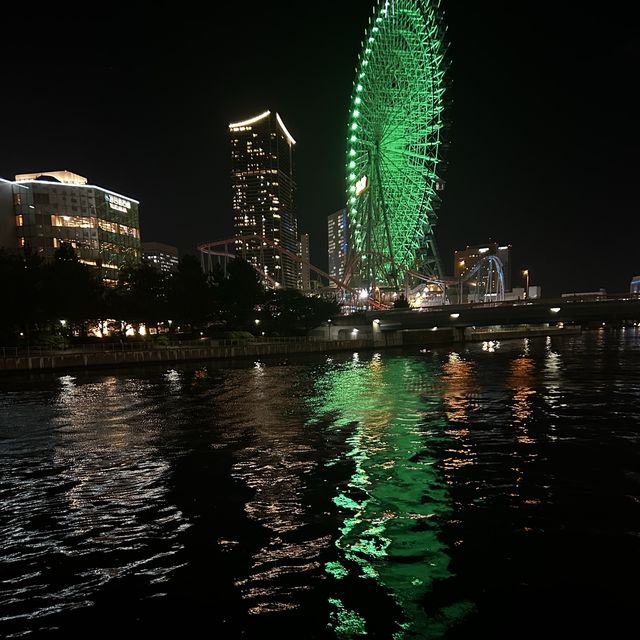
[(545, 135)]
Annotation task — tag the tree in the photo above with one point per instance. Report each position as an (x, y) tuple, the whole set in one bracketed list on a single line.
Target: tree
[(140, 296), (238, 294), (18, 302), (289, 312), (73, 291), (190, 294)]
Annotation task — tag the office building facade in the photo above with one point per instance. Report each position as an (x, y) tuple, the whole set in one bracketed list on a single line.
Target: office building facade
[(264, 196), (59, 207), (338, 246), (163, 257)]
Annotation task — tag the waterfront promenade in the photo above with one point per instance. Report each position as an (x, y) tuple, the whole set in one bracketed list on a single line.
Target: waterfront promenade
[(97, 355), (137, 353)]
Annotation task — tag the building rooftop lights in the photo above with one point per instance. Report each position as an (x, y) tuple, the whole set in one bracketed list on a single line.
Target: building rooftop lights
[(64, 176), (78, 186), (251, 121), (284, 129)]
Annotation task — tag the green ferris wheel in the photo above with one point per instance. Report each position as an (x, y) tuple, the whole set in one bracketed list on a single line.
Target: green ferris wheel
[(394, 144)]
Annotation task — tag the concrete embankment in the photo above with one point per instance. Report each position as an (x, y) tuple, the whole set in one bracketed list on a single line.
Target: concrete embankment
[(448, 336), (75, 358), (486, 335), (78, 358)]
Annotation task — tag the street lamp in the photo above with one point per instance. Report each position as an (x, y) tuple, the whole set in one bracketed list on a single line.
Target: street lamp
[(525, 273), (461, 266)]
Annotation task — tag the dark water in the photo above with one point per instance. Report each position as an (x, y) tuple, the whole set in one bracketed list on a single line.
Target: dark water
[(483, 492)]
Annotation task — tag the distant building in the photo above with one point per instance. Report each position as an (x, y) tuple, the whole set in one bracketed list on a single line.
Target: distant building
[(466, 259), (264, 195), (163, 257), (305, 271), (635, 286), (8, 230), (59, 207), (518, 293), (598, 294), (338, 232)]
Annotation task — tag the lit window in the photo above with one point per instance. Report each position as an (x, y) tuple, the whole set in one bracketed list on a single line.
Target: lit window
[(72, 221)]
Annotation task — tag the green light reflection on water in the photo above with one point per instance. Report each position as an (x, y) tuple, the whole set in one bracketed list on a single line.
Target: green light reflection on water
[(395, 500)]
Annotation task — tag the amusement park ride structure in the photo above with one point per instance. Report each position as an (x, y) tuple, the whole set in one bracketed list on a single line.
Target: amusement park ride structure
[(393, 169), (485, 281)]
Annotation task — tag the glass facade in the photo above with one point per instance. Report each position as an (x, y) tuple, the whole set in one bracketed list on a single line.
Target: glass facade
[(264, 196), (102, 227)]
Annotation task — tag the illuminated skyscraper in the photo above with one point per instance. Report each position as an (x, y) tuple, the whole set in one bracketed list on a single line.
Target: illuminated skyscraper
[(264, 194), (59, 207), (338, 231), (305, 272)]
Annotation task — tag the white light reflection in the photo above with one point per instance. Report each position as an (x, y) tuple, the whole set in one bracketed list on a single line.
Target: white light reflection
[(174, 380), (275, 465)]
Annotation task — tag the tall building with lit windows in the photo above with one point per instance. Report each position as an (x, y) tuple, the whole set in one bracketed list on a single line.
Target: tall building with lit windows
[(161, 256), (59, 207), (338, 231), (305, 271), (264, 196)]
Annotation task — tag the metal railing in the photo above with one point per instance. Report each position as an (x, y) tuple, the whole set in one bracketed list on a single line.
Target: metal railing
[(568, 299)]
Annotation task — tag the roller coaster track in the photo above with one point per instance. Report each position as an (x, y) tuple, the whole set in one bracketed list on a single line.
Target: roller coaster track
[(219, 249)]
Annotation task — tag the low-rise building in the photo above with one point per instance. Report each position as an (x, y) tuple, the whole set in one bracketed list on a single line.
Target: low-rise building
[(53, 208)]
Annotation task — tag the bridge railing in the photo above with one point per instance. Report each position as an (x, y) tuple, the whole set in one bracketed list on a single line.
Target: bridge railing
[(617, 297)]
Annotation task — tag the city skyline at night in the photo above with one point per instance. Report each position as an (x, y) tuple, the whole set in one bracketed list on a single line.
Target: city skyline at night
[(320, 320), (541, 151)]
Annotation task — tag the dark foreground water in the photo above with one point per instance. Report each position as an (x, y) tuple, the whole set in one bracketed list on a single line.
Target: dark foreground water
[(487, 492)]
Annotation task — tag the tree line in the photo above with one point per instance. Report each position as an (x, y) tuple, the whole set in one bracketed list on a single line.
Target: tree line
[(65, 298)]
